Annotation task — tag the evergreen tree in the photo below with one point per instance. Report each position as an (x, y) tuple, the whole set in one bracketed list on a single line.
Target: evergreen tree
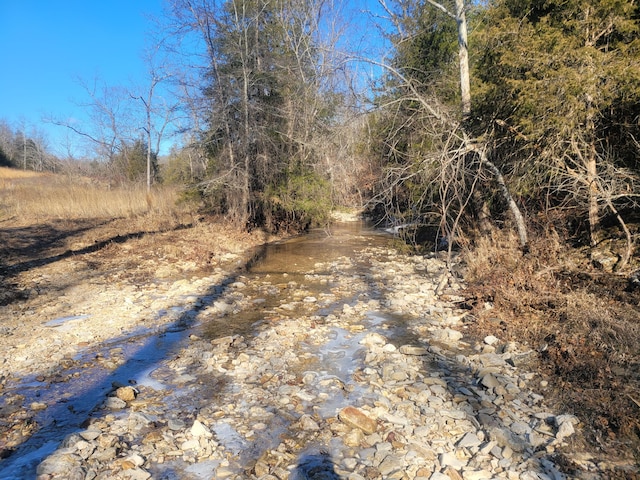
[(560, 81), (264, 106), (131, 161)]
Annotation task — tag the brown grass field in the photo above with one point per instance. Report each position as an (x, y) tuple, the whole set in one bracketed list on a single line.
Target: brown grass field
[(34, 196)]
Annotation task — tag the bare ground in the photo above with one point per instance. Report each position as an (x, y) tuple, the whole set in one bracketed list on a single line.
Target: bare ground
[(57, 269)]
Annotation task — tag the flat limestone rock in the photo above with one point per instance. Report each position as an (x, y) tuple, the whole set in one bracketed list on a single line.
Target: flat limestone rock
[(355, 418)]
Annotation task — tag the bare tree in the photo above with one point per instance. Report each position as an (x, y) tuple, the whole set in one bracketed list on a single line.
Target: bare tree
[(110, 116), (158, 112), (455, 141)]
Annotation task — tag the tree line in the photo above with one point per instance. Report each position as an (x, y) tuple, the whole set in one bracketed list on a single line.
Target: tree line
[(481, 113)]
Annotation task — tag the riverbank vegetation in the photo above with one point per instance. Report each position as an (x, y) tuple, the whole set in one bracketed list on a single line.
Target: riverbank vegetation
[(505, 131)]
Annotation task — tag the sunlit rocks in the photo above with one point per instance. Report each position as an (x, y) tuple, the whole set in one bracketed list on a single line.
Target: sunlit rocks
[(126, 394), (198, 429), (357, 419), (413, 350)]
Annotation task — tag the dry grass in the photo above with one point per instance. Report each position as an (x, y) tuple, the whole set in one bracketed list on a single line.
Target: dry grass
[(584, 323), (35, 197), (12, 173)]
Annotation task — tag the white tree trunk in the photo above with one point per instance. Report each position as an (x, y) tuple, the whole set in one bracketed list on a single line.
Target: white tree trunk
[(465, 84)]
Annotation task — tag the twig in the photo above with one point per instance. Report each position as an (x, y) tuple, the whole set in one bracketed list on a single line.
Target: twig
[(634, 400)]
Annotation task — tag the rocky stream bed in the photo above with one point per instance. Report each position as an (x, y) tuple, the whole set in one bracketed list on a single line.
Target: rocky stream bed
[(331, 358)]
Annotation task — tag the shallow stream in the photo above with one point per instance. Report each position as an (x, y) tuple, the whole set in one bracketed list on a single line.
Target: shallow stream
[(287, 275)]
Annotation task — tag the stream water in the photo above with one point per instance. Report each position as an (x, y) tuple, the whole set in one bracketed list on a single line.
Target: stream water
[(300, 268)]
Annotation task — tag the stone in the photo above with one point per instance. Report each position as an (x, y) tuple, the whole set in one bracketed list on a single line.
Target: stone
[(198, 429), (126, 393), (372, 339), (469, 440), (62, 464), (491, 340), (190, 445), (353, 438), (115, 403), (492, 360), (176, 424), (476, 475), (307, 423), (447, 335), (439, 476), (490, 381), (390, 464), (505, 438), (413, 350), (452, 474), (564, 431), (90, 434), (449, 459), (357, 419), (136, 474)]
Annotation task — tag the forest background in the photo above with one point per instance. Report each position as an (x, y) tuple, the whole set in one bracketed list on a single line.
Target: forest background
[(508, 131)]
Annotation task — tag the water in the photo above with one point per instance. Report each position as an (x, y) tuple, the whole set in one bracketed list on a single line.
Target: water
[(302, 269)]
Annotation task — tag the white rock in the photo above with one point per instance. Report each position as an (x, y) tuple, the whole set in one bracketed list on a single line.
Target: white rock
[(565, 430), (469, 440), (439, 476), (491, 340), (136, 460), (198, 429), (476, 475), (449, 459), (412, 350), (372, 339), (490, 381), (308, 424), (190, 445), (136, 474)]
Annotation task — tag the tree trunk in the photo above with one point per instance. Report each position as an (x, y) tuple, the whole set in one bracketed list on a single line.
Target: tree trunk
[(504, 190), (594, 215), (463, 53)]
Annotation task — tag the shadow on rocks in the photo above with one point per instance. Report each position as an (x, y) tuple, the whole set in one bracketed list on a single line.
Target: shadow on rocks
[(315, 466)]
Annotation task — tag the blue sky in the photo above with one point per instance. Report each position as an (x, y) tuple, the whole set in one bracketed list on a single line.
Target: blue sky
[(47, 45), (50, 46)]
